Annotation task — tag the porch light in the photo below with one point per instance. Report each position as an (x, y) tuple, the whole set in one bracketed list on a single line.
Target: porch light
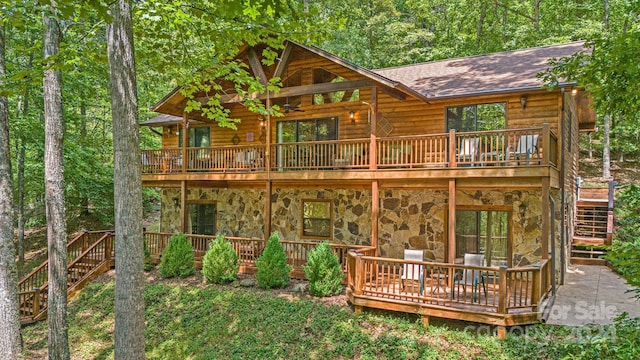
[(523, 101), (261, 123), (352, 117), (574, 91)]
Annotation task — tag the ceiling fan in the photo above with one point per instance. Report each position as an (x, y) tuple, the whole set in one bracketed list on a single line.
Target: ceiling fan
[(288, 107)]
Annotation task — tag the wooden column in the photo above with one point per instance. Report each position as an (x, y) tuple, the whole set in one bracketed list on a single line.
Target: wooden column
[(267, 139), (452, 148), (546, 145), (267, 210), (373, 145), (451, 243), (183, 206), (375, 210), (545, 228), (185, 140)]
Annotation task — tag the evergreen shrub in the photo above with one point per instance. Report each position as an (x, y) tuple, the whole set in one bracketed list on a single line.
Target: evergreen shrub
[(220, 263), (273, 271), (323, 271), (177, 258)]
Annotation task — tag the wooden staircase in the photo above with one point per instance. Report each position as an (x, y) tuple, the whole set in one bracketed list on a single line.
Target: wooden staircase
[(593, 226), (90, 254)]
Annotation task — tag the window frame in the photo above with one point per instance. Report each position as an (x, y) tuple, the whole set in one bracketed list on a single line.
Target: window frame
[(302, 219), (194, 128), (297, 122), (215, 214), (509, 211), (475, 105)]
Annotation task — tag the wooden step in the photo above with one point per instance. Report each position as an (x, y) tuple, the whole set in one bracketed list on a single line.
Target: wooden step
[(580, 240)]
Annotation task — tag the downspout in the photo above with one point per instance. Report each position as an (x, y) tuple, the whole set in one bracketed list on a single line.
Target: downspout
[(563, 218)]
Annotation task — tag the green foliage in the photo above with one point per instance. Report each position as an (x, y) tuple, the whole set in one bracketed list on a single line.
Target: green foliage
[(177, 258), (323, 271), (220, 263), (273, 271), (624, 254)]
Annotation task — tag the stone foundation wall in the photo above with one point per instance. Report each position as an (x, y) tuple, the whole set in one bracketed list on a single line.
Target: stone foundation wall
[(409, 219), (351, 213), (240, 212), (413, 219)]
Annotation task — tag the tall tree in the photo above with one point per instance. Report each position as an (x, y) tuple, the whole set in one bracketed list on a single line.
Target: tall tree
[(129, 303), (10, 345), (54, 188)]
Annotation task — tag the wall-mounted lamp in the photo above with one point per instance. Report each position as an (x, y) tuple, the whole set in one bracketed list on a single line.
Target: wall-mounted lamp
[(352, 117), (261, 123), (522, 209), (523, 101), (169, 129), (176, 201), (574, 92)]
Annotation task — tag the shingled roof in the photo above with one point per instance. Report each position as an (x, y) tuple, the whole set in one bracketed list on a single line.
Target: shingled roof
[(499, 72)]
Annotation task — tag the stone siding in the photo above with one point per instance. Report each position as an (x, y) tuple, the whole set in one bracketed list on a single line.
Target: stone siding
[(351, 213)]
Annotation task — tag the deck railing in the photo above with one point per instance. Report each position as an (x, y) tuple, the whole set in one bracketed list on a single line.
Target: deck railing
[(512, 147), (498, 290)]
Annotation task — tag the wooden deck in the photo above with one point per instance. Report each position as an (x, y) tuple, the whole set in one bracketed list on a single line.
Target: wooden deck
[(490, 295), (494, 149)]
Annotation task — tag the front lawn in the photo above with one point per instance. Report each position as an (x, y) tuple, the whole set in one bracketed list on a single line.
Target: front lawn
[(190, 320)]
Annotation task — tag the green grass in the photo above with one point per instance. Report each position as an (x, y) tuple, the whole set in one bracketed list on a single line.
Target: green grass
[(223, 322)]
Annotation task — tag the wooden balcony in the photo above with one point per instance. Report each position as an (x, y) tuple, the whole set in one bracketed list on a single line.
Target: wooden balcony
[(491, 295), (469, 151)]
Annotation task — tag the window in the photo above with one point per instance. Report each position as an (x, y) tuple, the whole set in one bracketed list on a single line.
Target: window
[(478, 117), (308, 130), (202, 218), (198, 137), (316, 218), (483, 232)]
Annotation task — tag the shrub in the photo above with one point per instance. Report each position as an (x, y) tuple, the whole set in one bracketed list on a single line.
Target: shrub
[(273, 271), (323, 271), (177, 258), (220, 263), (624, 255)]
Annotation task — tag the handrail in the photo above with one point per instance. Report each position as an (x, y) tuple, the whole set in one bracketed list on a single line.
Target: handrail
[(507, 147)]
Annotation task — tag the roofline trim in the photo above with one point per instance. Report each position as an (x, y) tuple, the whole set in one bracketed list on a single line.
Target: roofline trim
[(500, 91)]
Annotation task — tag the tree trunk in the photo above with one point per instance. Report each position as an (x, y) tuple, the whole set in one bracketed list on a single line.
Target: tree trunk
[(129, 303), (54, 192), (84, 202), (606, 155), (21, 156), (10, 345), (590, 146), (606, 14)]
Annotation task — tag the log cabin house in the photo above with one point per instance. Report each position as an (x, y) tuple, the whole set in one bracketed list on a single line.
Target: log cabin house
[(469, 162)]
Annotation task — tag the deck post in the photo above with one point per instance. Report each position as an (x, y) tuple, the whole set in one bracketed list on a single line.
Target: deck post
[(359, 275), (452, 148), (451, 236), (373, 142), (545, 226), (501, 332), (546, 144), (185, 140), (183, 206), (36, 301), (375, 209), (502, 290), (425, 320), (267, 210)]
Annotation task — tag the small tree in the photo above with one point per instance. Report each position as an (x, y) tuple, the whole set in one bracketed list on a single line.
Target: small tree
[(323, 271), (177, 258), (273, 271), (220, 263)]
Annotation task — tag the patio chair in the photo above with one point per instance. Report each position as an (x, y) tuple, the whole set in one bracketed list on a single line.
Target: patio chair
[(471, 277), (412, 271), (527, 145), (468, 150)]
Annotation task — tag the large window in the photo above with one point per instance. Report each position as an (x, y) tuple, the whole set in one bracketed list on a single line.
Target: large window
[(307, 130), (202, 218), (483, 232), (316, 219), (198, 137), (478, 117)]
